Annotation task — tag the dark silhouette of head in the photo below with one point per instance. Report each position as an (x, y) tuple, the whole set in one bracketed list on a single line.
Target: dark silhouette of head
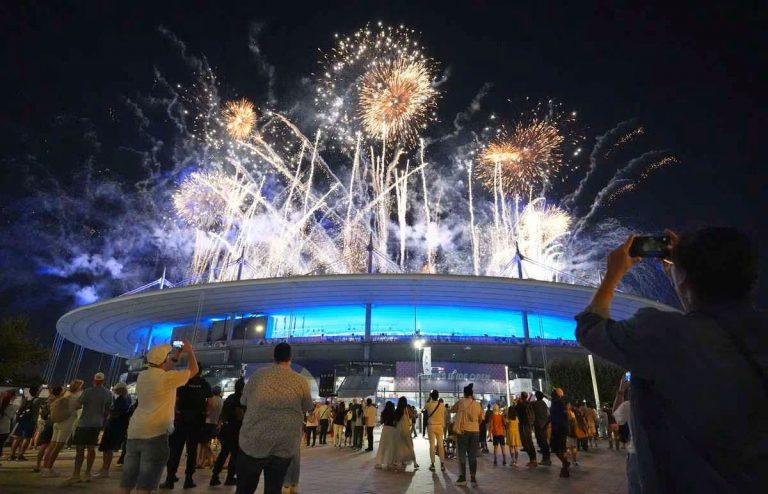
[(283, 352)]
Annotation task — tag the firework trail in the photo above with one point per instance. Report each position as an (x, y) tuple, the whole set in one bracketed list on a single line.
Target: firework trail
[(247, 193)]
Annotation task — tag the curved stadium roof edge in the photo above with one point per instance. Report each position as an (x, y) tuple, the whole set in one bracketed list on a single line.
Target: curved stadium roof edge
[(116, 325)]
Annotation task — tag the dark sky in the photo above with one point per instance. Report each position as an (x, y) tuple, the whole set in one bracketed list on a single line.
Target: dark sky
[(694, 75)]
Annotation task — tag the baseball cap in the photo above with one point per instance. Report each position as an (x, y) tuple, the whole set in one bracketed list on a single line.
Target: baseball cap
[(99, 376), (157, 354)]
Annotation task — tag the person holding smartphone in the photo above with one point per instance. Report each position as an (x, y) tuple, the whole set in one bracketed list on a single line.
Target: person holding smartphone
[(688, 445), (152, 421)]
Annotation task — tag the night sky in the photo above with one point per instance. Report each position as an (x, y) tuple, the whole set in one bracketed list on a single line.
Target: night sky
[(694, 76)]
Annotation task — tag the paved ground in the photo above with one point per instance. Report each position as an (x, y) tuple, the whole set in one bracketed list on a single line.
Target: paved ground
[(329, 470)]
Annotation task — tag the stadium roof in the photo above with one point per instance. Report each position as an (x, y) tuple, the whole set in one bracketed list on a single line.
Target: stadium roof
[(115, 326)]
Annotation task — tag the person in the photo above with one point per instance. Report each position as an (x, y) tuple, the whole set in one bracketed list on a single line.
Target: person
[(46, 434), (540, 423), (558, 419), (447, 420), (593, 421), (621, 412), (414, 417), (573, 437), (212, 414), (311, 425), (603, 424), (370, 422), (484, 430), (275, 398), (469, 415), (323, 416), (291, 481), (582, 433), (613, 429), (513, 435), (435, 423), (526, 418), (714, 273), (404, 418), (7, 415), (147, 449), (424, 420), (387, 451), (231, 419), (115, 429), (95, 403), (357, 419), (26, 421), (348, 427), (339, 414), (188, 426), (63, 415), (496, 431)]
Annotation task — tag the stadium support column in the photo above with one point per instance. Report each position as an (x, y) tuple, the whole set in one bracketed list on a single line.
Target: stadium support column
[(527, 340), (367, 337)]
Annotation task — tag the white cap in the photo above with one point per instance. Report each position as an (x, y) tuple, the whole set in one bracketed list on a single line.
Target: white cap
[(157, 354), (99, 376)]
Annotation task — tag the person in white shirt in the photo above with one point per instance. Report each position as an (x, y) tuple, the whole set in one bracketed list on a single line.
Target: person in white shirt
[(369, 416), (435, 425), (469, 414), (213, 408), (621, 412), (147, 449)]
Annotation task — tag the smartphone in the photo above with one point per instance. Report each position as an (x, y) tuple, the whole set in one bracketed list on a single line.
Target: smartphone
[(628, 377), (177, 344), (650, 247)]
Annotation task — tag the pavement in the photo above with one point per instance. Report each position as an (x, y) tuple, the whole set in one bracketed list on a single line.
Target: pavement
[(325, 469)]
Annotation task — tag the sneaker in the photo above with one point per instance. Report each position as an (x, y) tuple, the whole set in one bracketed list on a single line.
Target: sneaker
[(432, 467), (461, 480), (214, 481), (474, 482), (442, 467), (73, 480), (189, 483), (168, 484)]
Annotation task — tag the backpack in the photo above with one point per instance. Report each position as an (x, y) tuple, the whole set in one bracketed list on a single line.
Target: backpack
[(60, 410)]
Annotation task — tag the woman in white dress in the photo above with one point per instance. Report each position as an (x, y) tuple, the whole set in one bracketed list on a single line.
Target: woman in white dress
[(403, 421), (387, 452)]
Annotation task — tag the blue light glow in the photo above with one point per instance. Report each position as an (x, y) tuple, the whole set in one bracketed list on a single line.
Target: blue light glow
[(551, 327), (441, 320)]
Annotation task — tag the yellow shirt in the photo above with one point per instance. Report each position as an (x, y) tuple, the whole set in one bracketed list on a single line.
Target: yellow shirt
[(156, 394)]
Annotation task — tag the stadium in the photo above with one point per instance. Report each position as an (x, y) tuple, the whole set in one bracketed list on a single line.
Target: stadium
[(366, 334)]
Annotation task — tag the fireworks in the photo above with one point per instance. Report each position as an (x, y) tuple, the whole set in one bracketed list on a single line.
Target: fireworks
[(396, 99), (376, 81), (202, 200), (522, 159), (240, 117)]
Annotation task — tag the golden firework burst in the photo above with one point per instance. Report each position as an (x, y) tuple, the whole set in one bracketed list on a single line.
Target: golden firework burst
[(522, 159), (396, 99), (240, 117)]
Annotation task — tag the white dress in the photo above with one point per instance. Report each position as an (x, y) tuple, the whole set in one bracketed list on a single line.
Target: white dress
[(386, 455), (405, 454)]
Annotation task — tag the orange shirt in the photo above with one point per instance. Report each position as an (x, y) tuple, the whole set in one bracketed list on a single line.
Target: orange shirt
[(497, 425)]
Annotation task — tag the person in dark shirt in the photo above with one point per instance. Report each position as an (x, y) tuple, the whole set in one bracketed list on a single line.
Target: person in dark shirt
[(188, 426), (232, 414), (541, 419), (682, 442), (526, 420), (558, 419)]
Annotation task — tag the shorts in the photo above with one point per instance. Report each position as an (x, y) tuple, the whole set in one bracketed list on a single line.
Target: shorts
[(86, 436), (62, 430), (498, 440), (209, 432), (25, 429), (557, 443), (145, 460), (46, 434), (572, 442)]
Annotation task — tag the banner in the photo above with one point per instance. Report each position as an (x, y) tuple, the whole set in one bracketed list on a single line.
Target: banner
[(426, 360)]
